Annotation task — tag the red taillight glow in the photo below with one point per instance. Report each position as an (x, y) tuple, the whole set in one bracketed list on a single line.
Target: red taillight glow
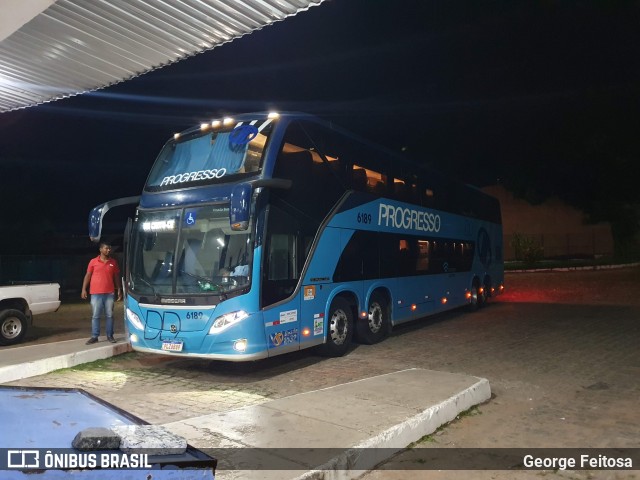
[(444, 300), (414, 307)]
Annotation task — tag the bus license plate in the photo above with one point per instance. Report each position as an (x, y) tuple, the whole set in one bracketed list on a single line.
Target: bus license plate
[(172, 345)]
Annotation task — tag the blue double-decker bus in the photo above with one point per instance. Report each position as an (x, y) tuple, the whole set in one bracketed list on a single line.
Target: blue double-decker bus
[(267, 233)]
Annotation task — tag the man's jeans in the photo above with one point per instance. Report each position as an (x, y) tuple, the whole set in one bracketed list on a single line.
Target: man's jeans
[(99, 302)]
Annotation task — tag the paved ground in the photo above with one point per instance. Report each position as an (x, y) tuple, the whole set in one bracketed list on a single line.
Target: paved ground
[(560, 351)]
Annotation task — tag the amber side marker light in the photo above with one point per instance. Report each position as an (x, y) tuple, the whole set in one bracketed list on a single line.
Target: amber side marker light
[(306, 332), (444, 300)]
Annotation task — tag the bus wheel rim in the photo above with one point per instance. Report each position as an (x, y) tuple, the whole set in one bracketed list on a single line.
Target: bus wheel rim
[(375, 317), (338, 327)]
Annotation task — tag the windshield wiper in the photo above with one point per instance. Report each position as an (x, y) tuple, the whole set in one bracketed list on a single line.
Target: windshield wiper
[(139, 277), (205, 284)]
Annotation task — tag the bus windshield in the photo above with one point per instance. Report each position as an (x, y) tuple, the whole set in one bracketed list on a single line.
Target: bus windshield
[(210, 155), (188, 251)]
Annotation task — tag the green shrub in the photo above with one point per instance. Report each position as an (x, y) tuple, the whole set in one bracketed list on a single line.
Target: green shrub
[(527, 249)]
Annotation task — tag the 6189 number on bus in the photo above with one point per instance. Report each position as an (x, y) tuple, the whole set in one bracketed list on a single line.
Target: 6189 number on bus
[(364, 217)]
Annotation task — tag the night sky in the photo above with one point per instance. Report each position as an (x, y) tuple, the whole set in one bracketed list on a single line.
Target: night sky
[(542, 97)]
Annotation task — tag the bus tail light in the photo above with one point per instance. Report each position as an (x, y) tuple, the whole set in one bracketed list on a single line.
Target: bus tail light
[(414, 307), (225, 321), (444, 300), (467, 295)]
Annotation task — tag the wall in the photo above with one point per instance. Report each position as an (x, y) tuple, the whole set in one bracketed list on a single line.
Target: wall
[(560, 229)]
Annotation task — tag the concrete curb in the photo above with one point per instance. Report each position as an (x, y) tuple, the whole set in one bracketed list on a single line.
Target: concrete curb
[(370, 420), (32, 368), (363, 457), (572, 269)]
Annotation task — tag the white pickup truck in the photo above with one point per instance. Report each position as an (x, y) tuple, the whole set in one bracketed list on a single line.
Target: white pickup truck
[(18, 304)]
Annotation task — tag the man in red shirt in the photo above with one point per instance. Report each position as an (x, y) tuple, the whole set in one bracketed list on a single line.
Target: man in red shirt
[(103, 277)]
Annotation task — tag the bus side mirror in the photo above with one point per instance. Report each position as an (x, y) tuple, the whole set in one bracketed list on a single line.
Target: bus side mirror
[(240, 206), (97, 214)]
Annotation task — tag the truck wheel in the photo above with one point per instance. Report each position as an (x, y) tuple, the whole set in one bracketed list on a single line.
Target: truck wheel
[(13, 326), (339, 329)]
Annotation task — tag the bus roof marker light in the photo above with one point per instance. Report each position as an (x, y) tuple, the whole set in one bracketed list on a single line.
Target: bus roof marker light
[(227, 121), (273, 115), (216, 123), (176, 136), (204, 126)]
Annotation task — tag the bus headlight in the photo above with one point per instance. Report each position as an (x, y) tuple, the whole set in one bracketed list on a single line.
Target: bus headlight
[(225, 321), (135, 320)]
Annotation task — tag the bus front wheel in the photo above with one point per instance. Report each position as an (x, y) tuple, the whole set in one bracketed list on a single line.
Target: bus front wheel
[(339, 329), (375, 327)]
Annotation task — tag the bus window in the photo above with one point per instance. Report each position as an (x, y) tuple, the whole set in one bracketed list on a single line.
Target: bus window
[(400, 190), (367, 180), (283, 262), (422, 265), (209, 156), (304, 156)]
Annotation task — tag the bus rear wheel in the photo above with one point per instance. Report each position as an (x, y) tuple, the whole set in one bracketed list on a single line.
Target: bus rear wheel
[(475, 300), (375, 327), (339, 329)]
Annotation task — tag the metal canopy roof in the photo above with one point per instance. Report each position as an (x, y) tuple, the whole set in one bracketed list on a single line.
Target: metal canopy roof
[(51, 49)]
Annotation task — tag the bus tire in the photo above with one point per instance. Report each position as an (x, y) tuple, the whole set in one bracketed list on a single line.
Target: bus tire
[(13, 326), (487, 288), (375, 327), (339, 329), (475, 302)]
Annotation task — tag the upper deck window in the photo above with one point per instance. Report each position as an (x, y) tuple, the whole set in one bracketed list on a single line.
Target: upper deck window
[(210, 155)]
